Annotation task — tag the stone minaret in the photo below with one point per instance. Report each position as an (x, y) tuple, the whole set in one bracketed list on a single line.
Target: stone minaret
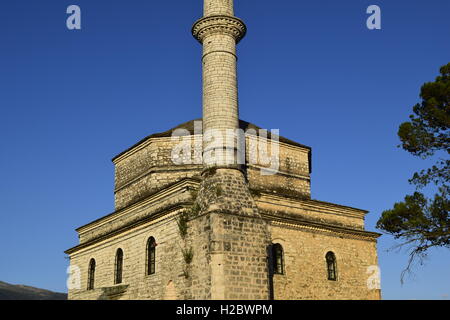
[(219, 31), (227, 216)]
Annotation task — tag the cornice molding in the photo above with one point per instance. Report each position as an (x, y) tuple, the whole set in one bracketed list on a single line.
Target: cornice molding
[(331, 230), (158, 217), (158, 169), (164, 194), (314, 205)]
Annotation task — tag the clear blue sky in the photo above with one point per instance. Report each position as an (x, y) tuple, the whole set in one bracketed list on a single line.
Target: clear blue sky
[(71, 100)]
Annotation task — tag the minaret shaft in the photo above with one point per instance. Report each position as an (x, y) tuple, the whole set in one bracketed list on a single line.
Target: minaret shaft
[(219, 32), (220, 93), (218, 7)]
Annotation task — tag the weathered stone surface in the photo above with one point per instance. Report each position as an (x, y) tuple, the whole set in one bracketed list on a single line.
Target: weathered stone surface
[(148, 168), (306, 270), (169, 263)]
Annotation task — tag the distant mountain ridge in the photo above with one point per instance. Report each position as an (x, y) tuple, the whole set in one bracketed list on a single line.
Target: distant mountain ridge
[(21, 292)]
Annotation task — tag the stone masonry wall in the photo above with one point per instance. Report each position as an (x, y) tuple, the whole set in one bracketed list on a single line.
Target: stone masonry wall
[(169, 264), (292, 171), (239, 258), (234, 235), (230, 260), (312, 211), (200, 272), (305, 266), (150, 168)]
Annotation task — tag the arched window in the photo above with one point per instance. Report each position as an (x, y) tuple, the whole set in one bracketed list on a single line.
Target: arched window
[(119, 267), (277, 256), (91, 274), (331, 266), (151, 256)]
